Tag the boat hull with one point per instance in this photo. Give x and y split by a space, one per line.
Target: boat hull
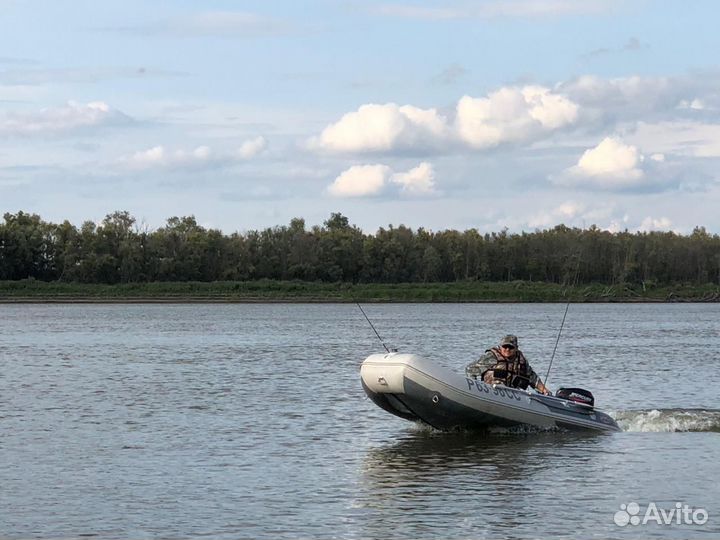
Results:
414 388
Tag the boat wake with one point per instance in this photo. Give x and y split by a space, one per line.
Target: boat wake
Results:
636 420
668 420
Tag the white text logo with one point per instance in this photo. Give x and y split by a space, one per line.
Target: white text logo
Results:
680 514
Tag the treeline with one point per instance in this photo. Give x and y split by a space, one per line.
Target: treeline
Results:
118 250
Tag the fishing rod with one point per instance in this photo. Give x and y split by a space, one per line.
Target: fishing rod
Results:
556 344
372 326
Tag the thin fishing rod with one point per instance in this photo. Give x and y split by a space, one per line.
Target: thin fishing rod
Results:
372 326
556 344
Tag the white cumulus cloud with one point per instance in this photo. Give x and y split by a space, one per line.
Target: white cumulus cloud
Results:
371 180
610 164
512 114
420 180
611 158
380 128
360 181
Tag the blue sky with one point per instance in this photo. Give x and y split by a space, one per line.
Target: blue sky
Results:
457 114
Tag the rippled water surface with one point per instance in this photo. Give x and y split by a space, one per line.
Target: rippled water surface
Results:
248 421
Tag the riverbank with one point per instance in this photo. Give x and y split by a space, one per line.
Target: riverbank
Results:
31 291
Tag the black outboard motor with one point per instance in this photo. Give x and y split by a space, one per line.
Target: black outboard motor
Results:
578 395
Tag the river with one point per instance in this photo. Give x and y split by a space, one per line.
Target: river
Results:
248 421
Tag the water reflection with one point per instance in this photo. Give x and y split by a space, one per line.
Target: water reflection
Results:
498 482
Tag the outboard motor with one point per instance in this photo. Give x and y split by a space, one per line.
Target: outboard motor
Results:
578 395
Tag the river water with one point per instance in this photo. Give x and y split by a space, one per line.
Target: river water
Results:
248 421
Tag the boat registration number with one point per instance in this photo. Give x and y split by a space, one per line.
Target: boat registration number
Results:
502 391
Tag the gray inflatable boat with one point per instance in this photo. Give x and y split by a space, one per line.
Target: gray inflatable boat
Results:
415 388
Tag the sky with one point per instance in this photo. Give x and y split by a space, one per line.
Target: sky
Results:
458 114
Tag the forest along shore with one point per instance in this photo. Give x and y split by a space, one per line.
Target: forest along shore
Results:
34 291
118 260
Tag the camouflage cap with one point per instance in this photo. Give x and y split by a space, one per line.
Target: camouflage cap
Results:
509 340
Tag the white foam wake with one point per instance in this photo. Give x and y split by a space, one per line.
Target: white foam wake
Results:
669 420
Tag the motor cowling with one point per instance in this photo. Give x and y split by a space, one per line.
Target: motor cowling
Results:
578 395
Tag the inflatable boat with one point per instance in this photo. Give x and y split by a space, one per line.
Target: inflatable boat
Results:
415 388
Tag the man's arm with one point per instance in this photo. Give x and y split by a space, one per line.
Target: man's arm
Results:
536 383
540 387
475 368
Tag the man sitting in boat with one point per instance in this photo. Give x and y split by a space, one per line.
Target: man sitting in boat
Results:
506 364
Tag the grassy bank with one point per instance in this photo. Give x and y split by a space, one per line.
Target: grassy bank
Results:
297 291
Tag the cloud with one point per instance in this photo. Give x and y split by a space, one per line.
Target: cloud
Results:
200 157
597 52
497 8
232 24
611 158
606 102
587 105
655 224
253 147
693 104
450 75
510 114
578 214
74 116
683 138
591 90
420 180
606 216
383 128
371 180
631 45
610 164
615 165
360 181
159 156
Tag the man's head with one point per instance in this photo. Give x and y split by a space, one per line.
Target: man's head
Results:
508 345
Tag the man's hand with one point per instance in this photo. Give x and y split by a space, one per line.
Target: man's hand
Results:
543 389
